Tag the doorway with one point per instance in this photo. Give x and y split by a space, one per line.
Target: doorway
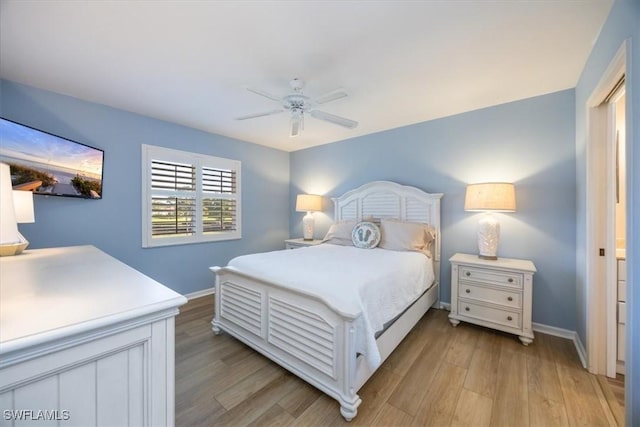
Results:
606 222
616 320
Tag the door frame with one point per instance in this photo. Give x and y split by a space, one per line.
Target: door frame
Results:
600 220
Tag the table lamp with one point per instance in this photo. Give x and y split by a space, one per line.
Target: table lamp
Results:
489 197
308 203
15 207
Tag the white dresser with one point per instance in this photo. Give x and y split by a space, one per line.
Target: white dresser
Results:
85 340
493 293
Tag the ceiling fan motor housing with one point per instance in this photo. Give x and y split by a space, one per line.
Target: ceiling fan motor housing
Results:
298 102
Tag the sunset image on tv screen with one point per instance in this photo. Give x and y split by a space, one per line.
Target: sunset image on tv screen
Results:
48 164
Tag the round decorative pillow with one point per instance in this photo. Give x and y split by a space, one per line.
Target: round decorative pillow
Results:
365 235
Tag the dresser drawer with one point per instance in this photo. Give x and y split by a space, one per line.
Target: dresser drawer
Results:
622 269
489 276
494 315
622 348
622 291
504 296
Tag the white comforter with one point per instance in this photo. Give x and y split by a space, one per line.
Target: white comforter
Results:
374 284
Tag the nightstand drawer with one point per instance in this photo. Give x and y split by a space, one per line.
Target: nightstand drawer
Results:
489 276
506 297
495 315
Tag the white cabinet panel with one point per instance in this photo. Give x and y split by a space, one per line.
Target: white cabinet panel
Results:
112 390
6 404
38 396
137 393
78 394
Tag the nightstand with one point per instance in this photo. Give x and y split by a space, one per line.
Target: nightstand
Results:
493 293
300 243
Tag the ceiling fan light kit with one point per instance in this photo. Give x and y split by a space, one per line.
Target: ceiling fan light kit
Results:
297 122
298 104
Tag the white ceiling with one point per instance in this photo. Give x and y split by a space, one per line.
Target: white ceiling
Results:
402 62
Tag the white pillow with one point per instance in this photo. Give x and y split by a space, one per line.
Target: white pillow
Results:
340 233
365 235
400 235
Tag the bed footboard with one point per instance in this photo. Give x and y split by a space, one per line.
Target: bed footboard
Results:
298 331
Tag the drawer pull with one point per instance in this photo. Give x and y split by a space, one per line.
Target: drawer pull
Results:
468 273
510 280
468 291
510 299
509 318
467 309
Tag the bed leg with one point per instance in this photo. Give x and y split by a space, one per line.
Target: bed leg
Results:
215 327
349 410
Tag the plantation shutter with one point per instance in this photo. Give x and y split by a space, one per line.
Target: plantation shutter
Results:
173 201
219 211
189 197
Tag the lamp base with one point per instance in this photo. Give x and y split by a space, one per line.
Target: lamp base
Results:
11 249
488 237
307 226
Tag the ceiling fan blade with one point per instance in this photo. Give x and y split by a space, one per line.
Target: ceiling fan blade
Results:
331 96
341 121
253 116
265 94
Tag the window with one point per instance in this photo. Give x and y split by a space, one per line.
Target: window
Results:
188 197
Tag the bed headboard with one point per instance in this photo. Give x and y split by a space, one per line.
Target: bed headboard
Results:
385 199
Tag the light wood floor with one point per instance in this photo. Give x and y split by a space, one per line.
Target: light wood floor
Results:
439 375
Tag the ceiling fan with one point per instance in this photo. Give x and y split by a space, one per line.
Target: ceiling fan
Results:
297 104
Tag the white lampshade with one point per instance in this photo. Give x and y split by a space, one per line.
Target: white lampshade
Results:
23 206
490 197
8 224
308 203
11 241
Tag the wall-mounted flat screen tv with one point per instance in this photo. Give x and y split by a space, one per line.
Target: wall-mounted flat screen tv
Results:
48 164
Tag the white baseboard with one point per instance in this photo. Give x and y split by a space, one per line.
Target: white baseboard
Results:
582 353
567 334
550 330
202 293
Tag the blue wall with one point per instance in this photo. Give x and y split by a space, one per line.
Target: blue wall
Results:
113 224
530 143
538 143
622 24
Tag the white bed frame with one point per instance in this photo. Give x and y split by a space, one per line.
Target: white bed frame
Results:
300 331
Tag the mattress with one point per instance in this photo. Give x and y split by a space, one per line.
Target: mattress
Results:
373 285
